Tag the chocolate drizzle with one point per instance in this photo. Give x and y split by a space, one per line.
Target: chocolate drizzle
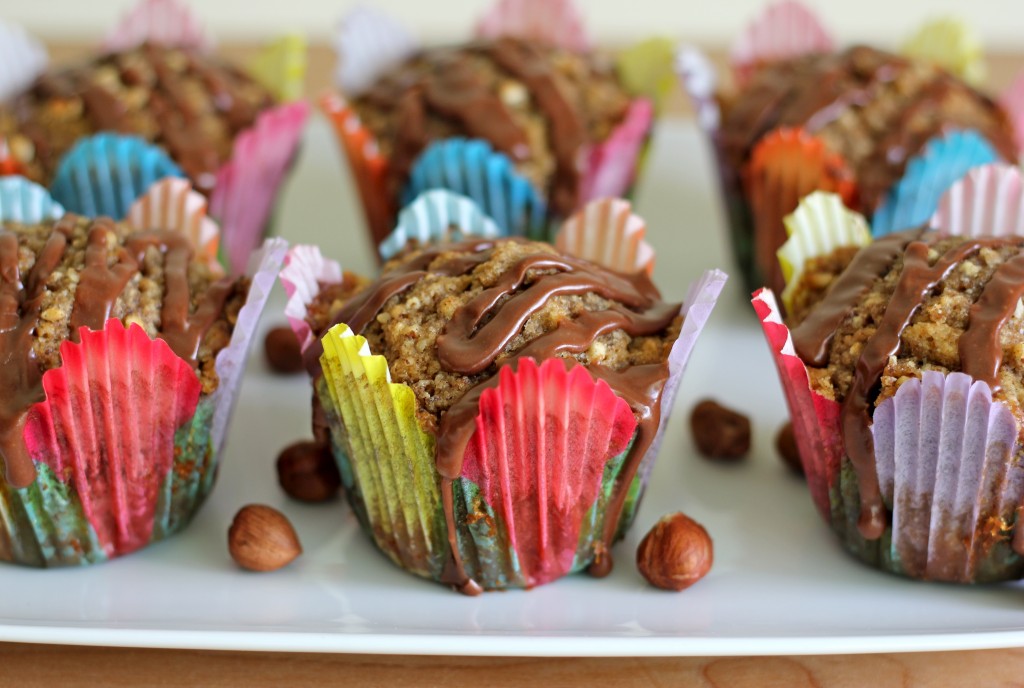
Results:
479 332
441 92
99 288
191 104
815 91
980 349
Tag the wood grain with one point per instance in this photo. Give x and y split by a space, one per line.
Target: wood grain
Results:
27 666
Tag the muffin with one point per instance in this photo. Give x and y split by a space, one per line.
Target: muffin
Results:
494 405
107 329
155 108
887 132
530 126
901 362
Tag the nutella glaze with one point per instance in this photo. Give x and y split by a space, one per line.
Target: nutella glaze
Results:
468 347
447 87
100 285
168 77
980 349
816 90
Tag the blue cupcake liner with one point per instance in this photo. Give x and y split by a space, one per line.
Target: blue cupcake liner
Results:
104 174
435 216
946 158
472 168
25 201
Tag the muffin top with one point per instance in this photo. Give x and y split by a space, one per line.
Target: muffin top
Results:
877 110
193 105
447 318
912 302
56 278
540 105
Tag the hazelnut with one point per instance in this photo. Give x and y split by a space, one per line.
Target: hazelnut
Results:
785 444
262 539
307 472
675 554
720 432
282 350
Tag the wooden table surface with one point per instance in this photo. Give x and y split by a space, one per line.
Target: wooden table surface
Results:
28 665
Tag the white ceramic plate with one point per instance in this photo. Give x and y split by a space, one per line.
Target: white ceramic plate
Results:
780 584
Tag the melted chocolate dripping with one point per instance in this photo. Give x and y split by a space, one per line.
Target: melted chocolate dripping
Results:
980 348
469 348
99 288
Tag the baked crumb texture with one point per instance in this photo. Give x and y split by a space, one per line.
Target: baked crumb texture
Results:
193 105
141 302
406 330
471 91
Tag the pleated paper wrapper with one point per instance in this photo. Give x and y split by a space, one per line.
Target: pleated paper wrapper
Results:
125 447
26 202
530 501
371 43
784 30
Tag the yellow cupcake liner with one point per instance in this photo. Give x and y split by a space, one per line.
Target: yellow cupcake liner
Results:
646 69
820 224
281 67
391 456
952 44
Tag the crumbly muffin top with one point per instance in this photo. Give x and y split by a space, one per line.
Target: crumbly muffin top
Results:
424 331
193 105
877 110
540 105
983 274
78 272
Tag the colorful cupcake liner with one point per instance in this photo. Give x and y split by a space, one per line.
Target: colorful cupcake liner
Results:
785 166
1012 101
472 168
988 201
22 59
952 44
103 174
912 201
607 232
437 216
172 204
125 448
784 30
553 22
161 22
305 270
281 67
25 201
247 184
820 225
370 43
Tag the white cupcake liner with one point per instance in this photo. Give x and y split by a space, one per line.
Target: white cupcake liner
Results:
305 271
369 43
22 60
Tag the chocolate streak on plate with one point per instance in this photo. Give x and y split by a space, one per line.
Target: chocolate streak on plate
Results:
99 288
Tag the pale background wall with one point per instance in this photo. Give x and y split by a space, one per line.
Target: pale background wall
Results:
1000 22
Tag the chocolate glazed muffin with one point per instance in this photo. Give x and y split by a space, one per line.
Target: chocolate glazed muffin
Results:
909 303
448 319
55 279
874 109
539 105
191 104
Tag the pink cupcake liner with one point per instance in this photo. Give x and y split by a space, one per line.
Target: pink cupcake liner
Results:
22 59
612 165
944 453
1012 101
815 419
163 22
107 427
534 467
305 272
607 232
369 43
172 204
988 201
247 184
554 22
784 30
